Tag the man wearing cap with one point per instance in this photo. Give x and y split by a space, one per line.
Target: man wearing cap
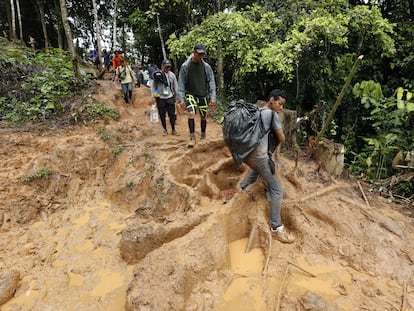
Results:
163 91
197 87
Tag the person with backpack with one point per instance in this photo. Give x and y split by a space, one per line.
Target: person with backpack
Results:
261 163
124 74
163 91
196 85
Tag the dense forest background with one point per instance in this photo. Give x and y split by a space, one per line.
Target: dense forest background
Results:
305 47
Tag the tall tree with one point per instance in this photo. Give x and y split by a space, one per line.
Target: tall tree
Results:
114 21
98 32
13 21
69 37
59 26
19 18
41 10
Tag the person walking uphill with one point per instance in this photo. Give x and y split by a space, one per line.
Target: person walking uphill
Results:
163 91
261 163
196 85
124 73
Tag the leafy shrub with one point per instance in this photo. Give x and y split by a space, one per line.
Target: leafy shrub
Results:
95 111
34 83
392 122
42 173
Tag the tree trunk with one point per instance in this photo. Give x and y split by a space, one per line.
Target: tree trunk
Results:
69 38
13 21
164 54
41 8
19 18
220 72
220 75
98 33
58 26
114 25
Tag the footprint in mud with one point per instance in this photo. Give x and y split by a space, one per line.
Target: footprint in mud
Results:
209 170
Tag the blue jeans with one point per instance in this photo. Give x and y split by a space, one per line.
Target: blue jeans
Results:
274 186
127 90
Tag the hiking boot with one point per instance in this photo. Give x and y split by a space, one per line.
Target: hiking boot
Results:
192 141
203 135
165 132
281 235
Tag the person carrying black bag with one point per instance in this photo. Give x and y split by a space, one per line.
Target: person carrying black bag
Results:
261 163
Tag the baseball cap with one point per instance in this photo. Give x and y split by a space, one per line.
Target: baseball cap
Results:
167 63
200 48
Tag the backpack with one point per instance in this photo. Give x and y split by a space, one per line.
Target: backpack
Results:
160 76
122 76
242 129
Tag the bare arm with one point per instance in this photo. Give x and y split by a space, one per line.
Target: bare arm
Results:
280 135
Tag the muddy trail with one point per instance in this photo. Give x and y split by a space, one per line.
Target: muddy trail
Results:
116 216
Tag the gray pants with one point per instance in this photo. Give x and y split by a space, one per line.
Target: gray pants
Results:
274 186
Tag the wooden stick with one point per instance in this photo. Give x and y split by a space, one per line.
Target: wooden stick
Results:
363 194
251 237
282 285
300 268
338 101
269 234
404 296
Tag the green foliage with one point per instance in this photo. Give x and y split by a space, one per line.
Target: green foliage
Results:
104 134
392 122
316 47
37 94
116 151
41 173
369 91
95 111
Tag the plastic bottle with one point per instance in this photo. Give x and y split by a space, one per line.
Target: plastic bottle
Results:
154 114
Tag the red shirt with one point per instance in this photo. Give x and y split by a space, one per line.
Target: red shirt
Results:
116 61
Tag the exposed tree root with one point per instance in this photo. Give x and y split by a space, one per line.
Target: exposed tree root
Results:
322 192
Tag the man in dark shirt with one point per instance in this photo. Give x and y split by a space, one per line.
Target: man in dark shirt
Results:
197 87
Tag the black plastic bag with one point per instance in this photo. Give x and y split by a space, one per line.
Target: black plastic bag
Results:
242 129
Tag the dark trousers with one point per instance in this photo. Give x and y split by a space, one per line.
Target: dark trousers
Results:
166 106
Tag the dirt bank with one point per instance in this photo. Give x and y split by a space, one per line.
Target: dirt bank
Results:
130 219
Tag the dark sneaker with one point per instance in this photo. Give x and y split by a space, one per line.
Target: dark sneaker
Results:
203 135
281 235
174 132
165 132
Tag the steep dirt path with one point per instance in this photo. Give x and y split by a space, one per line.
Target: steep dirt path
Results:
134 219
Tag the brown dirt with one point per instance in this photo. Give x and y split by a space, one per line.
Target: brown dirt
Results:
131 219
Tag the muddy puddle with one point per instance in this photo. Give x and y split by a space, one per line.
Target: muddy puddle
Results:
83 269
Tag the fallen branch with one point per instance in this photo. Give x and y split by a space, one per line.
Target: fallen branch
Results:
404 296
321 192
363 193
282 285
300 268
269 234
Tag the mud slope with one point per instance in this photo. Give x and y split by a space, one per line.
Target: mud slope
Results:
130 219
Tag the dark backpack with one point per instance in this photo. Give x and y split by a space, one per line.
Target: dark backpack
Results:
160 77
242 129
